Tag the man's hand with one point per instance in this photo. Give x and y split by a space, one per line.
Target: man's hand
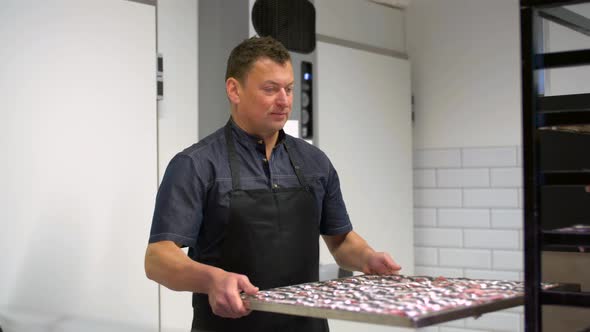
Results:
352 253
224 294
380 263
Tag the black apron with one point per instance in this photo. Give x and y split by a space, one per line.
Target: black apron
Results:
272 237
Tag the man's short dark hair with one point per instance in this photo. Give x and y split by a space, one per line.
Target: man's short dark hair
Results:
244 55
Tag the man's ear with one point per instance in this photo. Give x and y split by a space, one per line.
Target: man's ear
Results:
233 89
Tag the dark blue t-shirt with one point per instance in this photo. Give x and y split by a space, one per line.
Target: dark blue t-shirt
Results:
192 205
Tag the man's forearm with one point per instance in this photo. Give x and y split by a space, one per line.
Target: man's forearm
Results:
168 265
350 252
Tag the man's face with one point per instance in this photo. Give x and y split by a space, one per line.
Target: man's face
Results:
266 96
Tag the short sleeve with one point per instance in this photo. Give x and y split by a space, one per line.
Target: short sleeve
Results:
178 211
335 219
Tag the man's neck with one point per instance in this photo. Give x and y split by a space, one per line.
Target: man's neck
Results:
269 142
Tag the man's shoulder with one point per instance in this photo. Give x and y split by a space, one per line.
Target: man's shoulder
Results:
309 152
206 147
303 146
203 157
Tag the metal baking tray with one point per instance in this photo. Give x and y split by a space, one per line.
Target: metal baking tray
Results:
396 300
574 129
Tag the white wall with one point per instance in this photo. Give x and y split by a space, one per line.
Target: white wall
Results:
465 72
177 118
362 22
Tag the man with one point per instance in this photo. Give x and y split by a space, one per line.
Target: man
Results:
250 203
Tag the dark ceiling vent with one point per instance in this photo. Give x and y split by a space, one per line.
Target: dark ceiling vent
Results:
292 22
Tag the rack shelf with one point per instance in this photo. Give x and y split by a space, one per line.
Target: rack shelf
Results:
566 239
571 102
564 118
569 113
565 178
579 299
549 3
562 59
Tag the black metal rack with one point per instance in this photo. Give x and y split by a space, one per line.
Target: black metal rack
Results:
565 112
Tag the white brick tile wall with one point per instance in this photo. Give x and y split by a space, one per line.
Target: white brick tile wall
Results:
520 198
438 271
468 222
465 258
425 256
492 239
489 157
435 237
506 177
437 197
490 198
472 218
489 274
457 329
437 158
512 218
519 309
454 323
428 329
424 178
497 321
424 217
457 178
508 260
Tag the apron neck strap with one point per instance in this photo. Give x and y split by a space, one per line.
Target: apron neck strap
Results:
296 165
234 163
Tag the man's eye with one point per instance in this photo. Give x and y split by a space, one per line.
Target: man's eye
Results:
269 89
289 90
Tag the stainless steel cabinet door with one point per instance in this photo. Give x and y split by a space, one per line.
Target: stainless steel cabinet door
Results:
364 126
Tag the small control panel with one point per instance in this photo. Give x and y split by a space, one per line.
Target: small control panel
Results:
159 78
306 100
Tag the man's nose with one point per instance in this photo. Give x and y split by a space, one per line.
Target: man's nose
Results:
282 98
